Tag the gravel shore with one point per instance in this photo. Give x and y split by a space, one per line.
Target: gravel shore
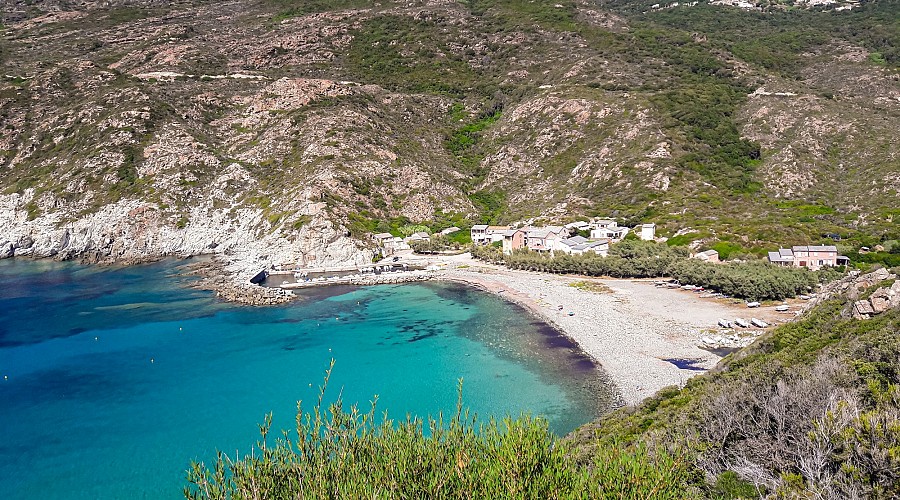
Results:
633 329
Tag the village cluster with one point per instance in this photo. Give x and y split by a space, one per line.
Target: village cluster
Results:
552 239
569 240
559 239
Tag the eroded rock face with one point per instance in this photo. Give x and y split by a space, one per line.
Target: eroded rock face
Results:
877 302
136 231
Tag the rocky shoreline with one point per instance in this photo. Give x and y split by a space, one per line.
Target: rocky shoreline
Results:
214 276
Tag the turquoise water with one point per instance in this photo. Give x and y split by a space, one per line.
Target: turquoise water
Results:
115 379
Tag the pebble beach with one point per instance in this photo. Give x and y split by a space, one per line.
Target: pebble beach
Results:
644 337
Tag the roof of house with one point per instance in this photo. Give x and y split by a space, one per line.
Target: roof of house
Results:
479 227
381 236
590 245
497 228
779 257
579 223
648 225
814 248
420 234
574 241
543 232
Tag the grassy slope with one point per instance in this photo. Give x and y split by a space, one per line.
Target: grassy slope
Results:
811 408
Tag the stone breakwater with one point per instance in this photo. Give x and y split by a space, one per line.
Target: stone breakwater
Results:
214 276
366 280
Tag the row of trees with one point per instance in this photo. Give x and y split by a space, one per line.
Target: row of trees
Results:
638 259
436 244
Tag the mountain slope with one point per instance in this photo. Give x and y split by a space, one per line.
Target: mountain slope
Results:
271 128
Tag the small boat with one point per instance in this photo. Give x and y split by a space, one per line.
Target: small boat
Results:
753 304
571 313
724 323
782 308
741 323
758 323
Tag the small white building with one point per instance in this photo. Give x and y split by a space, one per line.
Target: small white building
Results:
648 232
479 234
597 223
449 230
482 234
611 232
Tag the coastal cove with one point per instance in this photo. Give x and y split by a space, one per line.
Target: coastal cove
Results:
116 378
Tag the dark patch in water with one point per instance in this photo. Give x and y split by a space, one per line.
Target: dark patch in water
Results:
77 330
554 338
584 364
289 320
686 364
422 336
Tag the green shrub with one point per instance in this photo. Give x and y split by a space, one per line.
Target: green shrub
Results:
730 486
338 453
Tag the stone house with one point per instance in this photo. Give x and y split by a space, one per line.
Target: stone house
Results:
707 256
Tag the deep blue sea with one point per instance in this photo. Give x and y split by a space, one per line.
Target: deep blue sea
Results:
112 380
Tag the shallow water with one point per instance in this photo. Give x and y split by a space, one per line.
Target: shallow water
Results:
117 378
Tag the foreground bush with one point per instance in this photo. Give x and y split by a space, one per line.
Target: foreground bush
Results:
346 454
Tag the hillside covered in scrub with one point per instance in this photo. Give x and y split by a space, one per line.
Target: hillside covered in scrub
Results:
287 129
